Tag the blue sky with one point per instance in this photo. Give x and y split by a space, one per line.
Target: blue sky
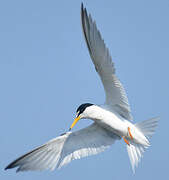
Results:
46 73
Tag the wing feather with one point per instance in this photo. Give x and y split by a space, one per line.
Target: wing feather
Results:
65 148
99 53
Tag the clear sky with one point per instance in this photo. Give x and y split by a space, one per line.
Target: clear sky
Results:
46 73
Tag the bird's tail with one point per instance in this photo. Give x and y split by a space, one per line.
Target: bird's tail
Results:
135 151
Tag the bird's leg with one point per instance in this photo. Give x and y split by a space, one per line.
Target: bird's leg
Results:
130 133
125 140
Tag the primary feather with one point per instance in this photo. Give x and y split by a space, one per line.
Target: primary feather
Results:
65 148
99 53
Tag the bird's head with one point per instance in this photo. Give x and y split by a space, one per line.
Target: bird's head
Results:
81 113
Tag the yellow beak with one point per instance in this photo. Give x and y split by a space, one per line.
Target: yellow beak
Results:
74 122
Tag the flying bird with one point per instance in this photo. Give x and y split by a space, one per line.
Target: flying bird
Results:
112 120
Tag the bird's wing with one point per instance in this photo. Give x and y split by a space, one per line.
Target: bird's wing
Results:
115 93
65 148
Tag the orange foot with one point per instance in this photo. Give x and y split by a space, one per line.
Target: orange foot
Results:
130 133
126 141
124 138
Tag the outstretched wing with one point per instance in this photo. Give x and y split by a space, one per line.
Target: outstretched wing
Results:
99 53
65 148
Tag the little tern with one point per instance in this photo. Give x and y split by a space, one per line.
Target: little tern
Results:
111 121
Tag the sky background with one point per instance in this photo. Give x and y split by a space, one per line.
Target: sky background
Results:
46 73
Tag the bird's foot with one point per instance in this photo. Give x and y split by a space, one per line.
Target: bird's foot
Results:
130 133
125 140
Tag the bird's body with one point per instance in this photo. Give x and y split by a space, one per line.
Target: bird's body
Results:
112 120
108 119
105 117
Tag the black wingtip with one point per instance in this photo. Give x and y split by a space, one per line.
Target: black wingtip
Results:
82 9
16 163
81 5
13 164
9 166
6 168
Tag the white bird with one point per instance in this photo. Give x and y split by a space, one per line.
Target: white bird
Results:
111 121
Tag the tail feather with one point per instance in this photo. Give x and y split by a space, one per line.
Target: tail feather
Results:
147 127
135 151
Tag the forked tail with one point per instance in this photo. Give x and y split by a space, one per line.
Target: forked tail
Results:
135 151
